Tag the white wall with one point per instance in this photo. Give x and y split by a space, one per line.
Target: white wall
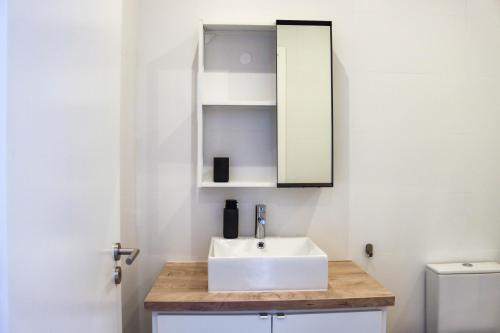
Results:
416 146
424 141
131 301
3 165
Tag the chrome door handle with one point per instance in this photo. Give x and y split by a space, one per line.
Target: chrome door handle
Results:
118 251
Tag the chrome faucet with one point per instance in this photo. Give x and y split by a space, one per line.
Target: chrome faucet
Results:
260 221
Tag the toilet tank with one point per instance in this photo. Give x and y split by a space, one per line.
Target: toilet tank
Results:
463 297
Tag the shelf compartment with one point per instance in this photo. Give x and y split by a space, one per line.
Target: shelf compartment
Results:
223 51
245 134
239 64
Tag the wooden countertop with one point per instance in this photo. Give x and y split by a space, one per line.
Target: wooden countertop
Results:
184 287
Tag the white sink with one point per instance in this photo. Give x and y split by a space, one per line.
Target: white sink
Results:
285 263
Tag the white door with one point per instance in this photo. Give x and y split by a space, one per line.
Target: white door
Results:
63 172
338 322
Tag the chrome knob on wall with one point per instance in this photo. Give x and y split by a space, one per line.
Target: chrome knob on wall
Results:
118 251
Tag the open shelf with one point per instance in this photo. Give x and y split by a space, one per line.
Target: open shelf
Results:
237 104
245 134
239 184
232 88
239 64
239 27
257 175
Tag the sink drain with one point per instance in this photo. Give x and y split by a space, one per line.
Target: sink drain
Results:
261 245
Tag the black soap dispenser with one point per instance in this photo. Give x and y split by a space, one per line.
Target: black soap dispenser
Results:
230 229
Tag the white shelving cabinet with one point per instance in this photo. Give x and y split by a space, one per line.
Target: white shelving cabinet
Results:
236 98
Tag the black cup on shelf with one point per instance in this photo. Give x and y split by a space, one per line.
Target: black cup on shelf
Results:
221 169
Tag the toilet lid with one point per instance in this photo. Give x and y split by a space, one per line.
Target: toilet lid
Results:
465 268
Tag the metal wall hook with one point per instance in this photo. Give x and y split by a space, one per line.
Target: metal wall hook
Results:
369 250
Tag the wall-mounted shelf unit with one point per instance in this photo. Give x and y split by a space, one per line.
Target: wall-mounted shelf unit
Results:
265 101
237 103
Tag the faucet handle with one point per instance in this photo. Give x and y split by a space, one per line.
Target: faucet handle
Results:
260 213
260 221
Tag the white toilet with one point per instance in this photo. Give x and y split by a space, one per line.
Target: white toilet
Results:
463 298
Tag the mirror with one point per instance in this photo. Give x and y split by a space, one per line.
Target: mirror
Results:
304 104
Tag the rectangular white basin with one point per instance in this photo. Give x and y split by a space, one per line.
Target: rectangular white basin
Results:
285 263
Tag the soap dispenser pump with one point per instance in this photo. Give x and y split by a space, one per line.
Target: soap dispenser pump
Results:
230 228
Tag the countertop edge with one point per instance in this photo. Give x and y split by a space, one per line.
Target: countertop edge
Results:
260 305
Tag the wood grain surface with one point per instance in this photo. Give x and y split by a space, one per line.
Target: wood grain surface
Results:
184 287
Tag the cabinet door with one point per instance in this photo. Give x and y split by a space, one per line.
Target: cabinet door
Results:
213 324
304 103
338 322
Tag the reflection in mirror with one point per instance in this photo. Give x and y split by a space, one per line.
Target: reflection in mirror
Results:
304 104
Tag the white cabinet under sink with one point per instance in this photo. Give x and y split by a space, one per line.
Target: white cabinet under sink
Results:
227 323
336 322
368 321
